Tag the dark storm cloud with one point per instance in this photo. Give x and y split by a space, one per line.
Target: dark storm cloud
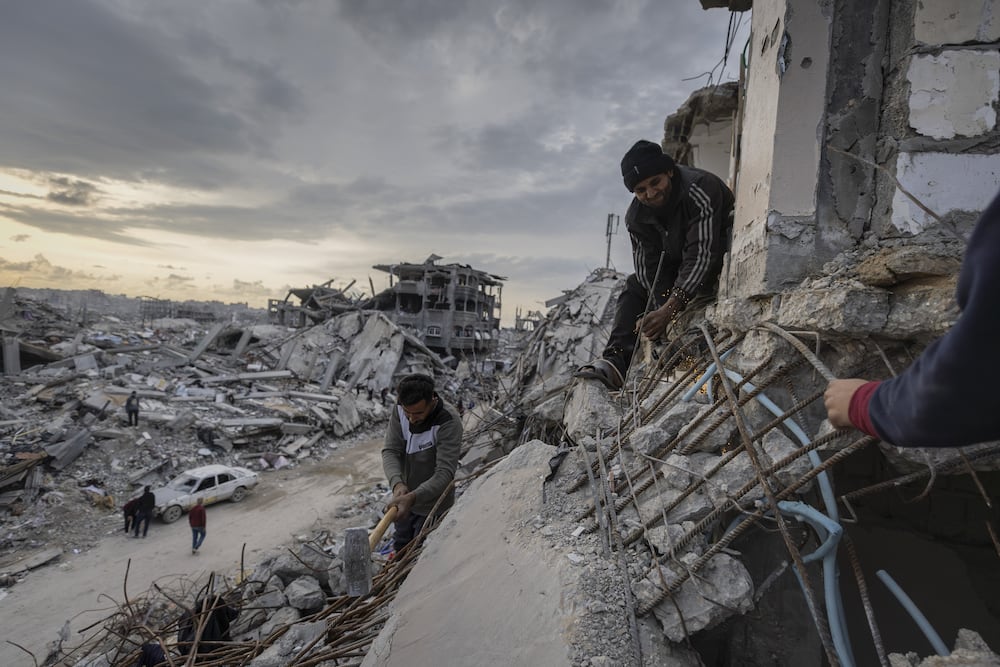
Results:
389 20
410 126
88 91
598 49
82 224
513 145
72 192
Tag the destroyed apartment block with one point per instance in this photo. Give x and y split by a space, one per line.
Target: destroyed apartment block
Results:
155 309
453 308
316 304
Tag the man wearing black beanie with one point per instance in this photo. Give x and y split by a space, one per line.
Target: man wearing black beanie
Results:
679 224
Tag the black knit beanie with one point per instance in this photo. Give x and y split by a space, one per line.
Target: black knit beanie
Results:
643 160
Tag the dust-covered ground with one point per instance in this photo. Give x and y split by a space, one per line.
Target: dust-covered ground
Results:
83 588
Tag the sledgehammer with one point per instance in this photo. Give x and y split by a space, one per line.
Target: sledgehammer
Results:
357 554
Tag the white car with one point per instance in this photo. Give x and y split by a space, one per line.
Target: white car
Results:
213 483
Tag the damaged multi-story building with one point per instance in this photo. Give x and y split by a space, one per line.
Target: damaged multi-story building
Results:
317 303
453 308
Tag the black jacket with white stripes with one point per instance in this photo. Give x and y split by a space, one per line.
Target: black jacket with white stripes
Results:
692 228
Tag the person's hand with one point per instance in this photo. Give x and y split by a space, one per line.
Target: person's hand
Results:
654 324
402 500
837 399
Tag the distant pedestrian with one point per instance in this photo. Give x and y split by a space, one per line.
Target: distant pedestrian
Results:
206 434
147 503
382 394
129 511
198 522
132 409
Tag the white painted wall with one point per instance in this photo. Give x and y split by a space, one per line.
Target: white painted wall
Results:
956 21
945 183
954 93
711 147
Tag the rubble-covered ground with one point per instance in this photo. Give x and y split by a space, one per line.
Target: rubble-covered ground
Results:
69 457
689 519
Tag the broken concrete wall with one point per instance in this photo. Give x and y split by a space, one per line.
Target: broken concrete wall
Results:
573 333
700 132
869 149
775 240
361 349
940 119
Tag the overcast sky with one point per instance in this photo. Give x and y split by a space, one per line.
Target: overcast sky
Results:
232 149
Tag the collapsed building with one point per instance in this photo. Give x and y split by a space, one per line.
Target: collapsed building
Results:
272 396
453 308
316 304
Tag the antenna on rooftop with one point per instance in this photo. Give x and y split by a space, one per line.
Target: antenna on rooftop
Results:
613 220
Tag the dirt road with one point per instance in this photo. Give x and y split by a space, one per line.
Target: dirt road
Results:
76 588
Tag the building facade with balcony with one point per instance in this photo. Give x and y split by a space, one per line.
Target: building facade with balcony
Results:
453 308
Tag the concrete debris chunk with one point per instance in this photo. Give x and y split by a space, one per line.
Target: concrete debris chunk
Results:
722 588
305 594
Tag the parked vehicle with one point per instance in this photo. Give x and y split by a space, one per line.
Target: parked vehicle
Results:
213 483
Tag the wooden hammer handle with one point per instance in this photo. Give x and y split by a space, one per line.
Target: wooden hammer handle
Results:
376 535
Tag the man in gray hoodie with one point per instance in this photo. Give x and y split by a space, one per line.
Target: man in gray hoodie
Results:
420 454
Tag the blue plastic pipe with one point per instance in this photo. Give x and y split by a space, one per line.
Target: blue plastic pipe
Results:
831 573
932 636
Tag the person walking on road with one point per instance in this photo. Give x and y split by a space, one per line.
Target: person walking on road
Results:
198 522
129 511
132 409
147 503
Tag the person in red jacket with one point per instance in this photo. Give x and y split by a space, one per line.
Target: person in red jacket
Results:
129 510
198 522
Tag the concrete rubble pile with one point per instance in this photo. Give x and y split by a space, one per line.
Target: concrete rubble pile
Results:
653 512
259 396
667 455
532 398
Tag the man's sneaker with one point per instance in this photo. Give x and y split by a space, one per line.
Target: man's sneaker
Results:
603 371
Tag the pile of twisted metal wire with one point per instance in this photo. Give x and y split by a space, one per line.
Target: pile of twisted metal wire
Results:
696 361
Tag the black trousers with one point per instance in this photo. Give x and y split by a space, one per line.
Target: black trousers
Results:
622 341
406 529
631 306
141 520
